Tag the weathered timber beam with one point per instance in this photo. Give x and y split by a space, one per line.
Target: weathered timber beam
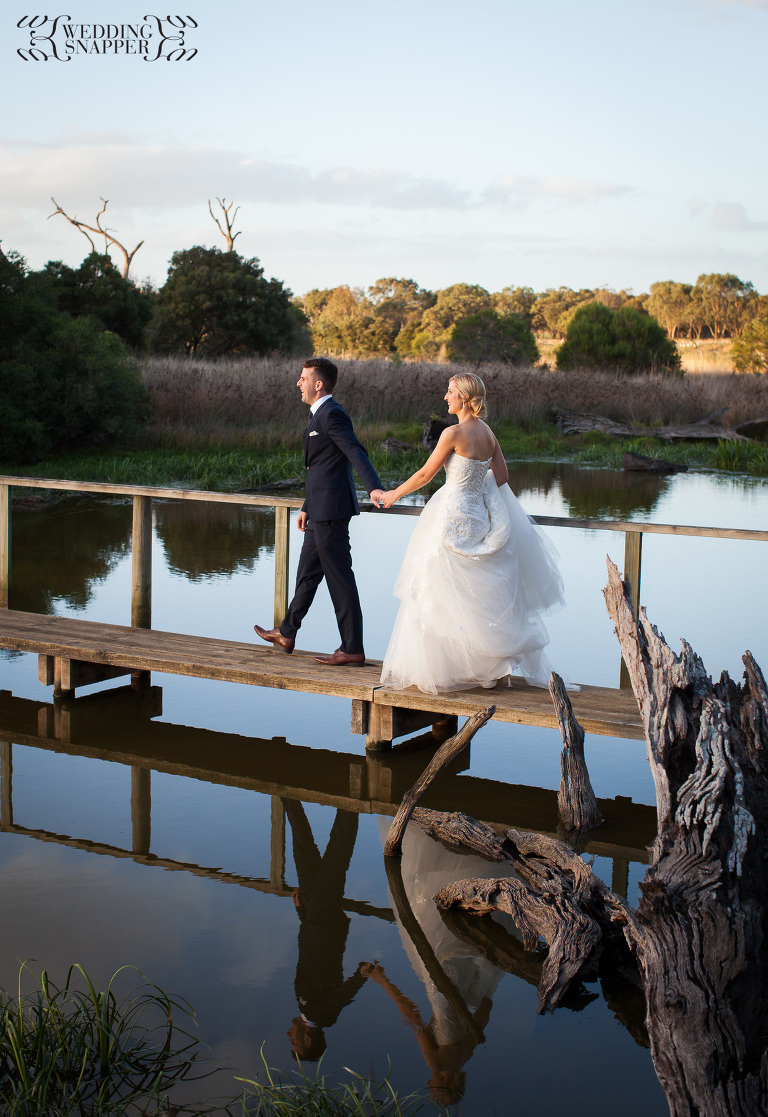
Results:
393 847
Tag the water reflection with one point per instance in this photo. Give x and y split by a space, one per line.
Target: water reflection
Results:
591 494
458 969
59 552
204 540
322 991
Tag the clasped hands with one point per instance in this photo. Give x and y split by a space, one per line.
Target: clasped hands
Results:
382 499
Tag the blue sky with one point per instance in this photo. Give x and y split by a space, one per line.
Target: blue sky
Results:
514 143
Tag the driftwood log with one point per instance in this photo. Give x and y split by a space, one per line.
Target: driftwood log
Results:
569 423
698 940
702 913
576 800
393 847
641 463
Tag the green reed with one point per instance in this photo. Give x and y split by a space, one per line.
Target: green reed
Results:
77 1050
297 1094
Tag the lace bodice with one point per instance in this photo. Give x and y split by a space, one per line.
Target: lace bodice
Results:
472 521
468 473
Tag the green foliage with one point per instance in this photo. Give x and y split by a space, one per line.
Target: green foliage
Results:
750 351
516 300
214 303
431 339
623 340
553 308
489 336
75 1050
63 382
97 289
296 1094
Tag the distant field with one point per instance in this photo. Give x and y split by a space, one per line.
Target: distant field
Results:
697 356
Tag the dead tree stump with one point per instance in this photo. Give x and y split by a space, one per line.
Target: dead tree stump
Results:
576 800
702 913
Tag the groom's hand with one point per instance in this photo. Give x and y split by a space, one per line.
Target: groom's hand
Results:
301 521
376 496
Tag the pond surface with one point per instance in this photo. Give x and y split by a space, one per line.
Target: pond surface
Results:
227 840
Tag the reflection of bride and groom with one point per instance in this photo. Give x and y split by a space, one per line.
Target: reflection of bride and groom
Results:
459 981
477 572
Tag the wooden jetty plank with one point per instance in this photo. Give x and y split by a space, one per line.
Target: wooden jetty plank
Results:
180 654
602 710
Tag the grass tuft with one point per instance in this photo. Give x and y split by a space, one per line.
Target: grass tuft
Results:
76 1050
298 1094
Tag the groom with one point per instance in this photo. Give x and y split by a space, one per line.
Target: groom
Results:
330 450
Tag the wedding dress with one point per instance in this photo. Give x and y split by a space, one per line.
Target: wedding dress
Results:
476 577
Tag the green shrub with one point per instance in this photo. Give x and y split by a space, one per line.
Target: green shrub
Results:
490 337
622 340
750 351
64 382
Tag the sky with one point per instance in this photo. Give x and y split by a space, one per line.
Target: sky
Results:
546 143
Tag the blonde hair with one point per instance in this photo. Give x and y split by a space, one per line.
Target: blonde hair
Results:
472 391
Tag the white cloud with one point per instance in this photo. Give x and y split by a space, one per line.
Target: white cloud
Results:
521 192
732 217
160 176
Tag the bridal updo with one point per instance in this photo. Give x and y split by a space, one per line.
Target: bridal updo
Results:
472 390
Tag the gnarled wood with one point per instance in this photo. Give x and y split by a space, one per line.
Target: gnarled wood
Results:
702 913
576 799
393 847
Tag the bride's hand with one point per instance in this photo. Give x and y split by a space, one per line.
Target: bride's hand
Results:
389 498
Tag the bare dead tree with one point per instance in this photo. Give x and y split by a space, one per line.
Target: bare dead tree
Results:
229 222
100 231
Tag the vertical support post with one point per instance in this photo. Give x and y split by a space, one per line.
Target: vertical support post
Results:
633 550
277 844
6 779
141 809
282 537
5 546
620 876
141 578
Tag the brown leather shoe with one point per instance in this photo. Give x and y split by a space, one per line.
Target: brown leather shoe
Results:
275 636
340 658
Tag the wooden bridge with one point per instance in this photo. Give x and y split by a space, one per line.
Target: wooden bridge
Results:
74 653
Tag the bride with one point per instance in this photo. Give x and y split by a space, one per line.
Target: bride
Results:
477 573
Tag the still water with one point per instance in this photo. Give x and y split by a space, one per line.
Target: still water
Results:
227 840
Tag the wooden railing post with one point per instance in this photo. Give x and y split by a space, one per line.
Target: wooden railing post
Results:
141 809
282 537
5 546
277 843
633 550
141 580
6 777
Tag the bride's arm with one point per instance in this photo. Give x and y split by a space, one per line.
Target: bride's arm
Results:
423 476
499 467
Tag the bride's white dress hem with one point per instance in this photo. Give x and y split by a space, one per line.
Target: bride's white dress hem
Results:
477 576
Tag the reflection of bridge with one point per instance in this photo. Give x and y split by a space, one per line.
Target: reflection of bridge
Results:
372 784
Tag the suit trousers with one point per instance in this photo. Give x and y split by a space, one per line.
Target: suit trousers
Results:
325 553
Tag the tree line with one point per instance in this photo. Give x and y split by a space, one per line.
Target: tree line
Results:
67 334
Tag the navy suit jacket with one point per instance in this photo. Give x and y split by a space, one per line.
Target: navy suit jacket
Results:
331 449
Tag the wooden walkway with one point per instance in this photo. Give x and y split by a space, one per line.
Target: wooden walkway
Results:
75 653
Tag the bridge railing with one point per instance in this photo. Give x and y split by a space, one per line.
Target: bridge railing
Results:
143 495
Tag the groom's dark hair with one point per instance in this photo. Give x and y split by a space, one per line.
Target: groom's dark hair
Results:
325 370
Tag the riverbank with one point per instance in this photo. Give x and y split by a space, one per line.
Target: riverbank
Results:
225 467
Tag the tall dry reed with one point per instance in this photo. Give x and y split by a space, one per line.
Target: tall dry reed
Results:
211 398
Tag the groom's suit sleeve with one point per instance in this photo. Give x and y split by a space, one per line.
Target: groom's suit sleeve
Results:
339 427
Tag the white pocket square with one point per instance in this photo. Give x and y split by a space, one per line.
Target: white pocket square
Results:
313 434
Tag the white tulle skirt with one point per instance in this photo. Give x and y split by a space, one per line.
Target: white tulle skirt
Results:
472 602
